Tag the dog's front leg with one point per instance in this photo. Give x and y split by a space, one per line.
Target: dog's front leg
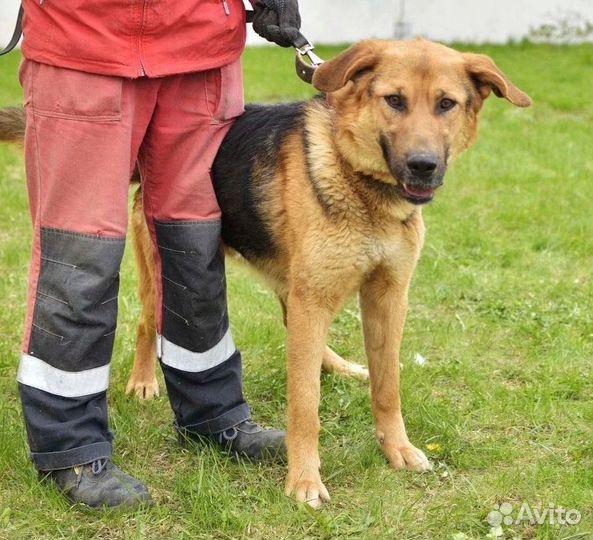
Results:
308 324
384 299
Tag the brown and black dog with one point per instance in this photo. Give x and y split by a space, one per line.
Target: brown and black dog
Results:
324 199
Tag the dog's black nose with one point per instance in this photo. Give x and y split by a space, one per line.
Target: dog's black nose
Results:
422 164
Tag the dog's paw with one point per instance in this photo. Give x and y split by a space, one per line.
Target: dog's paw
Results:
143 389
307 489
408 457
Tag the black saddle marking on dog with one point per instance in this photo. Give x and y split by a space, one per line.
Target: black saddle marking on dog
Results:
253 142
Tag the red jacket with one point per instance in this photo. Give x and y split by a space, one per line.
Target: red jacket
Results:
132 38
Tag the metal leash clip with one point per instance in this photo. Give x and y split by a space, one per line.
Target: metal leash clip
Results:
306 70
304 48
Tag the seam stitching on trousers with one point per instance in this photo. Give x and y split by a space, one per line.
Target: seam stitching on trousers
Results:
53 230
176 250
61 338
37 221
76 117
176 314
41 293
47 259
187 223
184 287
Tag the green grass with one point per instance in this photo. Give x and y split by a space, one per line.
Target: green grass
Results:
501 307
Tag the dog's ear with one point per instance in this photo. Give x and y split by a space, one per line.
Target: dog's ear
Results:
334 74
488 77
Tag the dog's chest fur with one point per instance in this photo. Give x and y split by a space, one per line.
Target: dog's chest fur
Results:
364 220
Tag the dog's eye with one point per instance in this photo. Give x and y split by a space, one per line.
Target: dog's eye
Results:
396 102
446 104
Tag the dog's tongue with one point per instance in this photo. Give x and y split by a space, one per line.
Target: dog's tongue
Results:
421 193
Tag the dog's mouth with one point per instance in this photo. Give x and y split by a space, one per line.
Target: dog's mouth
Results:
417 195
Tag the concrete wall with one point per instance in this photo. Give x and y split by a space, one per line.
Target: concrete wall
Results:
8 13
478 21
341 21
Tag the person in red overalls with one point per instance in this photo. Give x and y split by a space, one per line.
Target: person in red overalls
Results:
109 84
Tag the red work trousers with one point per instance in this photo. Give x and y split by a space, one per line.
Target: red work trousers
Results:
85 134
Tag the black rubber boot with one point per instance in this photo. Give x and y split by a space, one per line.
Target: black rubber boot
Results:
101 484
249 441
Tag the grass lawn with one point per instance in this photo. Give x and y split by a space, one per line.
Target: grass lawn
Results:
501 307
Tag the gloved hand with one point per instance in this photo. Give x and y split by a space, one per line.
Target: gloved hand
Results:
278 21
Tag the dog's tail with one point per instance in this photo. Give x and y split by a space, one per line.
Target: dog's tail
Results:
12 125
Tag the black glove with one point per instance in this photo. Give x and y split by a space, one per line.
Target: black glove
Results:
278 21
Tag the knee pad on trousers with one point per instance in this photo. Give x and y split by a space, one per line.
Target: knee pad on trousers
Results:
76 303
194 314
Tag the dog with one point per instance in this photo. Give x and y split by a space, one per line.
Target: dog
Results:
324 199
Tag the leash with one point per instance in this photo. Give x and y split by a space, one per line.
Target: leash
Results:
18 30
304 48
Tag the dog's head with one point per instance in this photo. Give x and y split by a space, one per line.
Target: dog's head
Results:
405 109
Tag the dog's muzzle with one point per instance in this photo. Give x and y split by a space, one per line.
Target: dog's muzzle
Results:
422 177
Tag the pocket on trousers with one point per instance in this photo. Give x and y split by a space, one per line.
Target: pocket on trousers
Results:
224 92
70 94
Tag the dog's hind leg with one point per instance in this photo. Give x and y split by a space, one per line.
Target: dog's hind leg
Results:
332 362
143 382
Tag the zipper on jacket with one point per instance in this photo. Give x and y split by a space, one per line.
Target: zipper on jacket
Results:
140 33
227 9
